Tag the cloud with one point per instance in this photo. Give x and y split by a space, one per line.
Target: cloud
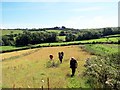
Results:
79 22
91 22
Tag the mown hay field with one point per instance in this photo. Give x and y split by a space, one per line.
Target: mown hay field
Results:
27 68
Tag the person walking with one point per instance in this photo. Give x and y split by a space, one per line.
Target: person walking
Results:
60 55
51 56
73 65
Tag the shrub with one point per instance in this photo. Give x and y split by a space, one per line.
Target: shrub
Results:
50 64
103 72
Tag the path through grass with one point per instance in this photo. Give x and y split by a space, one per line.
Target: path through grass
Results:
30 70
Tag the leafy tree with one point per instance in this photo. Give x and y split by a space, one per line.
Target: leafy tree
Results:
7 41
63 27
62 33
70 37
1 42
35 38
107 31
23 39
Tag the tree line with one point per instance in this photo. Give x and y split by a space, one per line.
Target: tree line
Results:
90 34
28 37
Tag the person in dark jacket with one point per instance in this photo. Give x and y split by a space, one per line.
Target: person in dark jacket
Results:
60 55
73 65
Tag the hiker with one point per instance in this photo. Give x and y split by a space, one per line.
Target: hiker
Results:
73 65
51 56
60 54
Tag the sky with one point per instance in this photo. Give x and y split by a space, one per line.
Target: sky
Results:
71 14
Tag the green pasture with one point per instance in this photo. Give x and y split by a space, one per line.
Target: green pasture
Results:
61 38
102 49
8 32
56 31
7 48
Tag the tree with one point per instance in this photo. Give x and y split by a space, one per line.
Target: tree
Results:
35 38
23 39
63 27
62 33
56 27
70 37
107 31
6 40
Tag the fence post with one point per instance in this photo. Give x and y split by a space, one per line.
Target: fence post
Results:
48 82
13 86
42 87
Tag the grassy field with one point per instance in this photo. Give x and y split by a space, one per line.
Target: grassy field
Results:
27 68
8 32
102 49
7 48
116 35
113 39
62 38
56 31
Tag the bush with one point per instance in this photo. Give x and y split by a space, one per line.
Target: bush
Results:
103 72
51 64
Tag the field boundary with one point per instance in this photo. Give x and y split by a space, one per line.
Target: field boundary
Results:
59 44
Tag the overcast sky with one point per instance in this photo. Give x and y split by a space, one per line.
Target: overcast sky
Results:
41 14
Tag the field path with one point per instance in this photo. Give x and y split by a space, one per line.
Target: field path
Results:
30 70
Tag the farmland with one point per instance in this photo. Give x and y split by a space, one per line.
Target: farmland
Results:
8 32
26 37
112 39
36 61
9 42
56 31
26 63
102 49
29 69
